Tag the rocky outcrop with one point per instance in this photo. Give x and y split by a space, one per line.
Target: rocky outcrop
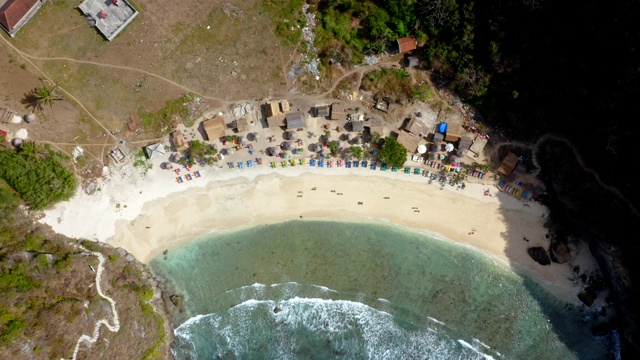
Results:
559 252
539 254
177 300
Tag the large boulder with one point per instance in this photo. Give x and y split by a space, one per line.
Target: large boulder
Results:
587 296
177 300
539 254
559 252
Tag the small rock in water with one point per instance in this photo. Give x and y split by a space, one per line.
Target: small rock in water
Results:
539 254
277 309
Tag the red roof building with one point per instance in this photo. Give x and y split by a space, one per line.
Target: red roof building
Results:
407 44
15 13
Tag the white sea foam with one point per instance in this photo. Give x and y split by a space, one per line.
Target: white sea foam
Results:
435 320
468 346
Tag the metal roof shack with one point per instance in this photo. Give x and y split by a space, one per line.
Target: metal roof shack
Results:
357 125
110 16
508 164
214 128
14 14
407 44
409 141
155 150
295 120
322 111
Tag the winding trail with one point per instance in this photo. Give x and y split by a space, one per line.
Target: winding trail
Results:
96 331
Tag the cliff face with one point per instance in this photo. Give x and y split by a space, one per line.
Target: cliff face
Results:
583 205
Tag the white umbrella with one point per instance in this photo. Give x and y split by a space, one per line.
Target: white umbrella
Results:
449 147
422 149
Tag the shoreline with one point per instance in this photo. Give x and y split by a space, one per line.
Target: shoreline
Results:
166 215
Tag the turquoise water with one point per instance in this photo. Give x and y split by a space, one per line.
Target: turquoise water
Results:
356 291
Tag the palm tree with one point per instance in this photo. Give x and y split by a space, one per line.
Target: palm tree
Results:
32 150
45 95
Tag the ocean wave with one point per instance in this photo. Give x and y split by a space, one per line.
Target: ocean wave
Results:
336 327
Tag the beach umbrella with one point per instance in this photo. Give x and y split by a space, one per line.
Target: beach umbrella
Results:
168 166
422 149
341 145
449 147
286 145
350 137
461 152
286 155
293 146
292 135
433 155
453 159
274 151
359 140
435 147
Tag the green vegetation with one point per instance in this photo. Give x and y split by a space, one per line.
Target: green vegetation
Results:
422 92
37 174
290 19
350 29
481 167
357 152
393 153
140 161
45 95
391 83
199 152
175 111
333 148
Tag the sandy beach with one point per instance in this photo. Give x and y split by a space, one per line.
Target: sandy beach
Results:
147 215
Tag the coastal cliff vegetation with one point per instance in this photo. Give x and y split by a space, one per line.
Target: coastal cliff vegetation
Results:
47 281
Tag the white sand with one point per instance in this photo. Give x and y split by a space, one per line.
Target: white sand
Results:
145 216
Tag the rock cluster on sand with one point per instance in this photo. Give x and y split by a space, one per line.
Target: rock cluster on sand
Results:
539 254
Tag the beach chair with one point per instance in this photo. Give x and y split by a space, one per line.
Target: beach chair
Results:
407 170
321 163
355 163
283 163
259 161
329 163
241 165
250 163
394 169
339 163
303 161
179 179
417 171
347 164
188 177
363 163
312 162
424 172
292 162
273 164
373 166
196 174
231 166
383 167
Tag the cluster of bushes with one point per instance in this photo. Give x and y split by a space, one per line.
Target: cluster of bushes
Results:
37 174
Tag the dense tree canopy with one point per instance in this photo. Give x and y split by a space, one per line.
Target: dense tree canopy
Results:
392 152
38 176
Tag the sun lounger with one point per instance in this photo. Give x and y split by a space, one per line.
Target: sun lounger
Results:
407 170
179 179
273 164
231 166
373 166
329 163
355 163
259 161
312 162
321 163
363 163
196 174
188 177
383 167
303 161
339 163
394 169
250 163
417 171
347 164
283 163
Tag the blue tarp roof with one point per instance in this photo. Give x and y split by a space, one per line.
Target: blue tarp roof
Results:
442 128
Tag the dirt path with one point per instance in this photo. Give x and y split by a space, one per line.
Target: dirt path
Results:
116 322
